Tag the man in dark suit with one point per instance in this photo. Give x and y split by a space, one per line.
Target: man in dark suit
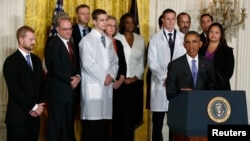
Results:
182 77
25 82
63 77
80 29
205 20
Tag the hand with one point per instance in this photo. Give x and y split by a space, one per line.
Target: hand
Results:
75 81
40 108
108 80
119 82
130 80
38 111
33 114
186 89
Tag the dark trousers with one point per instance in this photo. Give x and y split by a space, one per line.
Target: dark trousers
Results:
127 111
157 120
26 132
60 122
123 128
94 130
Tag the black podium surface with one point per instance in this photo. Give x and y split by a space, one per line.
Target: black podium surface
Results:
188 112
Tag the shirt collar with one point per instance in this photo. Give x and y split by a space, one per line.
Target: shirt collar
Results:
189 58
81 28
64 40
166 31
23 53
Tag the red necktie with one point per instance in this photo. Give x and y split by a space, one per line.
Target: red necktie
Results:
70 51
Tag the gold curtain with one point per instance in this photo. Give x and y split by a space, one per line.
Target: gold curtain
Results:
39 13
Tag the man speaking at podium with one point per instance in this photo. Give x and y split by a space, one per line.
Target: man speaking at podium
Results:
190 71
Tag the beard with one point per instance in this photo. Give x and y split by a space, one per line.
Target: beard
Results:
29 47
185 29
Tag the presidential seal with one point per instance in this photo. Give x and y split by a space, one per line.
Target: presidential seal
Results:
218 109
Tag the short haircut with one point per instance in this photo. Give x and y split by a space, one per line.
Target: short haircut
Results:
60 16
21 32
180 14
206 14
192 33
81 6
166 11
98 12
122 22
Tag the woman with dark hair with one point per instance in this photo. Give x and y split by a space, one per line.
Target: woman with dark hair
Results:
217 50
130 113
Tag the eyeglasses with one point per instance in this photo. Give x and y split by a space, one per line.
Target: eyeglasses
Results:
65 29
111 25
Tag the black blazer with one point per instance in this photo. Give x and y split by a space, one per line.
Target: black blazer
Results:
122 61
25 87
60 69
180 76
76 35
223 65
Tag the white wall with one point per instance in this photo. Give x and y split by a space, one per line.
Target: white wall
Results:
12 17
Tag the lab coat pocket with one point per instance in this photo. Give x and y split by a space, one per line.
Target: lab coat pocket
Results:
94 91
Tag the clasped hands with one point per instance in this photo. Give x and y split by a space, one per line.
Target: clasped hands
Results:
38 111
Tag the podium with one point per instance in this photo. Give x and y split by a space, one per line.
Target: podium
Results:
191 112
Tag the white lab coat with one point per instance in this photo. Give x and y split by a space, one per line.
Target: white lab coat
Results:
96 63
158 60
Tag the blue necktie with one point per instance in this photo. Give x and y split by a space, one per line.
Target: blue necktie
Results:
103 40
84 32
194 71
29 61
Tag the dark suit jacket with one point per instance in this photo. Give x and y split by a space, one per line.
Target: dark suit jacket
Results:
122 61
223 65
119 96
203 38
60 69
76 35
25 87
180 76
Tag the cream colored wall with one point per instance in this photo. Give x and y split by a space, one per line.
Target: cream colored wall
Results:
12 17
